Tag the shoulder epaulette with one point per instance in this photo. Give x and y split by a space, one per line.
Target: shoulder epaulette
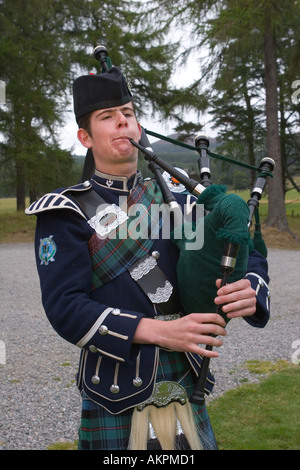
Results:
59 200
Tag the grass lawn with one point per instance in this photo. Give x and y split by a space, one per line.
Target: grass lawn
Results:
263 416
16 226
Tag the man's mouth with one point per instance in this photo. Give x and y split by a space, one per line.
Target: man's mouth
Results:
123 137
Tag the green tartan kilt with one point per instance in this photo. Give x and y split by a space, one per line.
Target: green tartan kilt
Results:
101 430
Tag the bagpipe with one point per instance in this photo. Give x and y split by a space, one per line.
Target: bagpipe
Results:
225 226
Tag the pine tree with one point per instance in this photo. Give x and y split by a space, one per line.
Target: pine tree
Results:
44 46
33 67
229 24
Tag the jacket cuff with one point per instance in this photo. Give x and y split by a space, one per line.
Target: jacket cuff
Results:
262 314
112 334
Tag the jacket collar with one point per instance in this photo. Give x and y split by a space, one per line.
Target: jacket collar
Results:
122 183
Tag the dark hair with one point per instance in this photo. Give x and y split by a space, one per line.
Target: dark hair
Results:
85 123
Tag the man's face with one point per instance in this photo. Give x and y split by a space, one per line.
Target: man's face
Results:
110 130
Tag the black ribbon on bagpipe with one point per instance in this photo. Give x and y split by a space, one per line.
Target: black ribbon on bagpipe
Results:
215 199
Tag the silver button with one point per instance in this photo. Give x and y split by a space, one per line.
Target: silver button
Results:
103 330
95 379
116 311
86 183
93 348
155 254
137 382
114 388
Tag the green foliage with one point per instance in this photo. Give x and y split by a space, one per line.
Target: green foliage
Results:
33 68
44 46
246 60
240 180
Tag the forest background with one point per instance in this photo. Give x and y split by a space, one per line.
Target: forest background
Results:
244 84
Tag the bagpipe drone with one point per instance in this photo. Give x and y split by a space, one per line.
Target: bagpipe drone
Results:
226 226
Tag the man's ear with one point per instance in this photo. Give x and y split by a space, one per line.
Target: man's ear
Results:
84 138
140 129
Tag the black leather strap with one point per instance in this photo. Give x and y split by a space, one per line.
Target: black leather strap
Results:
153 280
88 201
150 282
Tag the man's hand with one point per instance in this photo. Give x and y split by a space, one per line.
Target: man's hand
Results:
187 334
239 298
193 332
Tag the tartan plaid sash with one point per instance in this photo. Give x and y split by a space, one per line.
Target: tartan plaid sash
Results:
112 256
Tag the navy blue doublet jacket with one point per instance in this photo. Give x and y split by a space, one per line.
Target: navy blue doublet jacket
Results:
113 371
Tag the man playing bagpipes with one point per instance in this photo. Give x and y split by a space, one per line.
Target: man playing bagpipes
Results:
114 296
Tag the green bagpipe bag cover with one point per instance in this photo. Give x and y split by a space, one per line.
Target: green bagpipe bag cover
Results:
198 269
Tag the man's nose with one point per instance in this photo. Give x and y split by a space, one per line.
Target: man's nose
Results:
122 120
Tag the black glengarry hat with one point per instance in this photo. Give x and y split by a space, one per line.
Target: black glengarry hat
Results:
107 90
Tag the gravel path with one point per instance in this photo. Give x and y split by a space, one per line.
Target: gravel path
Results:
39 402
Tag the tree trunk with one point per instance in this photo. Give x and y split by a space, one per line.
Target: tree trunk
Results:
276 212
250 130
20 176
